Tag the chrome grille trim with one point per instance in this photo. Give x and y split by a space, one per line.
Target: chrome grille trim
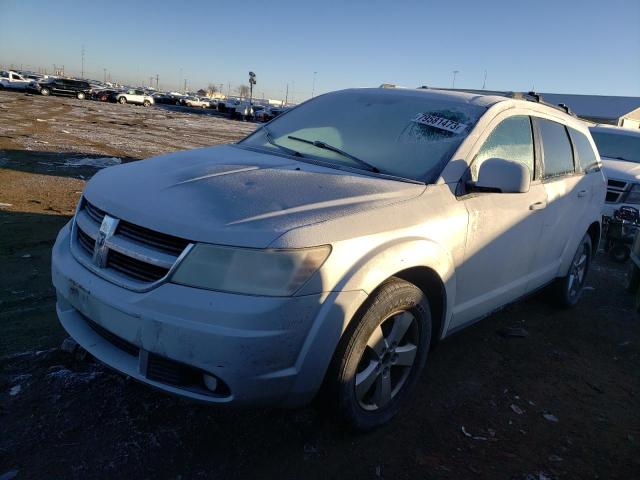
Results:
126 262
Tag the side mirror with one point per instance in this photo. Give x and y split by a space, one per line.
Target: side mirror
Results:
503 176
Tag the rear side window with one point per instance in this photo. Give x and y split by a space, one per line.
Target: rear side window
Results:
558 154
510 140
587 158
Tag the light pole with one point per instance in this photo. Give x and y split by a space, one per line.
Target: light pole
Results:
252 82
82 54
484 81
453 83
313 89
104 70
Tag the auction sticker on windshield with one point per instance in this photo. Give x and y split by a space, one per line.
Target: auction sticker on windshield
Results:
439 122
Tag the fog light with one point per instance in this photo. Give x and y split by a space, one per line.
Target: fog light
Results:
210 382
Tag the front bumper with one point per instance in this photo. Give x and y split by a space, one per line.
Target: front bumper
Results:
266 350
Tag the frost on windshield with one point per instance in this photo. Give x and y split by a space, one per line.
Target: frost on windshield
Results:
435 126
437 131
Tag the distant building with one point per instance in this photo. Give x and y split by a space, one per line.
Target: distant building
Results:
608 109
621 111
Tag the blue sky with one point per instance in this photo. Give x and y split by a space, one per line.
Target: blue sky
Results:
566 46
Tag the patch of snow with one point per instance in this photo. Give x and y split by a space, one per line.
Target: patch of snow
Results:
550 417
516 409
15 390
100 162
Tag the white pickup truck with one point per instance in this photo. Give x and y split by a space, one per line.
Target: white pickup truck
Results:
619 150
14 81
134 96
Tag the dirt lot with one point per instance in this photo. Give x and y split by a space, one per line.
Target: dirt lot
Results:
561 402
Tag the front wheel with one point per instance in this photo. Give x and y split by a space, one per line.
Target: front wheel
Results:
80 96
568 289
44 91
381 355
146 103
122 100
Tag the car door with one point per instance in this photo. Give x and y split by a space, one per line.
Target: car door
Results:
568 196
503 228
18 82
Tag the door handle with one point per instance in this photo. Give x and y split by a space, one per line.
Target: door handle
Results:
582 193
537 206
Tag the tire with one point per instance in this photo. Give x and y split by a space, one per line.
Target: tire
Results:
381 356
146 103
122 100
80 95
44 91
568 289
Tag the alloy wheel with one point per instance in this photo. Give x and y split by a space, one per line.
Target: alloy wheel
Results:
387 360
578 271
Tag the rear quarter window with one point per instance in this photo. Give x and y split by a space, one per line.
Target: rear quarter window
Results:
558 154
587 158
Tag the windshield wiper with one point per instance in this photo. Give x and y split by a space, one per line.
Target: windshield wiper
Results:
269 137
325 146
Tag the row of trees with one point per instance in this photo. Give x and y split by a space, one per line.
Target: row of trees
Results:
242 90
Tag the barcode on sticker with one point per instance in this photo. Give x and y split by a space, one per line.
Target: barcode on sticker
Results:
439 122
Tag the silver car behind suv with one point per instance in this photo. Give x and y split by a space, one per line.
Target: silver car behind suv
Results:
332 247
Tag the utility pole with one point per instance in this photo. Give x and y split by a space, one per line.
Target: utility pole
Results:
185 86
313 89
228 89
286 95
82 54
150 82
104 70
157 80
453 83
252 82
484 82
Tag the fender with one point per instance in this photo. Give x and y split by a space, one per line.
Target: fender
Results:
353 289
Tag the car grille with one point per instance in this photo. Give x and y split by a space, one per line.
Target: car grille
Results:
615 190
136 256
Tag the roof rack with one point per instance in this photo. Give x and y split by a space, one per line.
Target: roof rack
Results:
528 96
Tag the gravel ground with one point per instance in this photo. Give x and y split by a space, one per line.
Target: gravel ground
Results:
560 402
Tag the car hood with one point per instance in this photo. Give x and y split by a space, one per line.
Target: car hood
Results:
621 170
234 196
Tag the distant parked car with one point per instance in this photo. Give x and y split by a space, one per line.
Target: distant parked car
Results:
14 81
197 102
619 150
106 95
64 86
135 96
241 110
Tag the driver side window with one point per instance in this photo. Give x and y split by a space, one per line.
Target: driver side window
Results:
511 140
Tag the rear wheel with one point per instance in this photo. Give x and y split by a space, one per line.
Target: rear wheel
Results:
146 103
80 96
381 356
122 100
44 91
568 289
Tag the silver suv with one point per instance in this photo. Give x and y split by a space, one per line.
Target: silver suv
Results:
330 248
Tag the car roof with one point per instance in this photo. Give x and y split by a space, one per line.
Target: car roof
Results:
615 130
478 99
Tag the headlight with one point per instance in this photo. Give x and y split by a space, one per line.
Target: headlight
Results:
634 194
275 273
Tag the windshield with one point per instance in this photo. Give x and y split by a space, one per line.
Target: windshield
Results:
621 147
402 133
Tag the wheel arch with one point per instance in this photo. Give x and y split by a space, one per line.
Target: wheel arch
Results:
594 232
430 283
